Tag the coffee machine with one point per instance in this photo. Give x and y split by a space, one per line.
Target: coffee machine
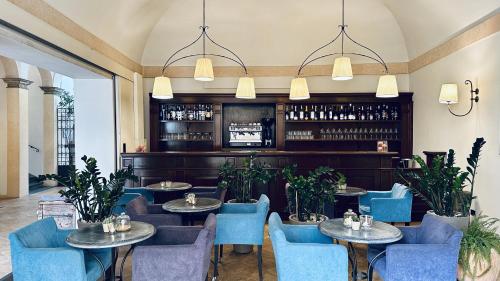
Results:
267 132
245 134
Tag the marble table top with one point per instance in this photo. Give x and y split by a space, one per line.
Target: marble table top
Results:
202 205
95 238
379 233
175 186
351 191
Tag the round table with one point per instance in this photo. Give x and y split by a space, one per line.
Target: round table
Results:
95 238
164 194
202 205
379 233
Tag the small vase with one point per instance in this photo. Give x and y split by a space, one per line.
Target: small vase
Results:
355 225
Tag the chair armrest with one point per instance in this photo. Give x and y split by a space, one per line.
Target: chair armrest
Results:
158 219
409 234
61 235
365 199
391 209
239 208
305 234
207 194
156 209
422 261
176 235
240 229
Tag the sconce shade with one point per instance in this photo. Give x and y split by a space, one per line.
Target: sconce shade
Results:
387 87
299 89
246 88
162 89
204 70
342 69
449 94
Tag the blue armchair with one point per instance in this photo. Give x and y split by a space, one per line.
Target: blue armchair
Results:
426 253
142 191
239 223
302 252
123 201
388 206
39 253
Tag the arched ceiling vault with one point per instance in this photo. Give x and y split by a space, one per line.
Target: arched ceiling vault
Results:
278 32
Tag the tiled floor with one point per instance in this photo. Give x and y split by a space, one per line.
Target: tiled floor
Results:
15 213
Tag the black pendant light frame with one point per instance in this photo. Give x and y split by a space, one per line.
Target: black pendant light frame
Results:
204 36
343 34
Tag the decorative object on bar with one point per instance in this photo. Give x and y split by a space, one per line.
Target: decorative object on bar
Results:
93 196
39 252
449 95
342 70
479 258
162 88
442 185
394 205
241 180
267 132
243 226
175 253
307 195
302 252
427 252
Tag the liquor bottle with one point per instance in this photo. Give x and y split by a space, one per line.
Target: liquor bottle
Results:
291 114
306 113
341 114
378 113
301 113
287 111
370 113
312 113
209 114
335 113
363 113
330 112
384 112
322 113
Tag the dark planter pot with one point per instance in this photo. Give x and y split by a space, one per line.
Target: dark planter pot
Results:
83 225
294 220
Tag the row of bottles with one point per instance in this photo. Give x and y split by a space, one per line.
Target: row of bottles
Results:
345 134
186 112
186 136
311 112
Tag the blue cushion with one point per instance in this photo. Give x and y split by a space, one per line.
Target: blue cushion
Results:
399 190
364 209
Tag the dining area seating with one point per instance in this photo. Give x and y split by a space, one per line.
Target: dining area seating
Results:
392 206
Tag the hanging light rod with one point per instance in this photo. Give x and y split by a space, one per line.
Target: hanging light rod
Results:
162 88
342 69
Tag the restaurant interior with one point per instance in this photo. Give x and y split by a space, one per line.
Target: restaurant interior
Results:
196 140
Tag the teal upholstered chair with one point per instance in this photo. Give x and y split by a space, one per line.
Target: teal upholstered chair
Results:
123 201
388 206
141 190
39 253
239 223
302 252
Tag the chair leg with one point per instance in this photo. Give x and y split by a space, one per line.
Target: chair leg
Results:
407 224
216 260
221 251
259 261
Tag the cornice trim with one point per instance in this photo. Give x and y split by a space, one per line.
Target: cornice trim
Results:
18 83
52 90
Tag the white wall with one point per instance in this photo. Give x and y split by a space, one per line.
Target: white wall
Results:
94 123
3 135
436 129
35 137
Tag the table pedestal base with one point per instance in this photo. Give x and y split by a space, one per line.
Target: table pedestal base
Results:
353 260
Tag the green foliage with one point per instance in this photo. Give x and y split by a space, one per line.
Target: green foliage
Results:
442 185
241 180
478 241
311 192
93 196
66 101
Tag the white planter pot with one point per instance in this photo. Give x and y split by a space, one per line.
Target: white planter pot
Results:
242 248
294 220
356 225
461 223
49 183
482 272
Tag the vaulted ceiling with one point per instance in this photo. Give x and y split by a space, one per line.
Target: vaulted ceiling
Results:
273 32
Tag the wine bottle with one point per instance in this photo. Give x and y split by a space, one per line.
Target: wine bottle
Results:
306 113
322 113
341 114
301 113
312 113
330 112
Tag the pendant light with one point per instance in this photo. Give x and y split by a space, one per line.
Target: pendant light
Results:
342 68
299 89
204 72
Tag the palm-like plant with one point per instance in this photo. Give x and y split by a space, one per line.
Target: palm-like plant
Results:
93 196
442 185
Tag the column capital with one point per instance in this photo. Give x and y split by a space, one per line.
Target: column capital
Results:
19 83
52 90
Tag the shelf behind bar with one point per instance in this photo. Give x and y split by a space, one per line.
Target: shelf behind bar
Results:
166 140
187 121
342 121
323 140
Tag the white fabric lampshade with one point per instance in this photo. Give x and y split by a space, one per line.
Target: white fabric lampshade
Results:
204 70
342 69
299 89
449 94
162 89
387 87
246 88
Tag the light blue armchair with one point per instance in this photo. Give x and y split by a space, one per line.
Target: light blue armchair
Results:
426 253
239 223
123 201
141 190
39 253
388 206
302 252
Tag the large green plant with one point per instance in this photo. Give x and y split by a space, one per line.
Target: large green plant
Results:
241 180
442 185
93 196
307 195
478 241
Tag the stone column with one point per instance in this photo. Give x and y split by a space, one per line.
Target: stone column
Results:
17 137
49 129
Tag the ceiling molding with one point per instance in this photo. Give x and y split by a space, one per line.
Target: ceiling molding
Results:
467 37
275 71
58 20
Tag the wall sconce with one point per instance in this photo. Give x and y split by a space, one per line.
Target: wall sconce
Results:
449 95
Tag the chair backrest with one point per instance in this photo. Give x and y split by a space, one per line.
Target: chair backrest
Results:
123 201
263 205
138 206
276 232
141 190
40 234
206 239
434 231
399 191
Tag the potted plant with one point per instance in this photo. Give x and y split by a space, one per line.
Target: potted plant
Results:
242 180
443 185
307 195
341 182
93 196
479 257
